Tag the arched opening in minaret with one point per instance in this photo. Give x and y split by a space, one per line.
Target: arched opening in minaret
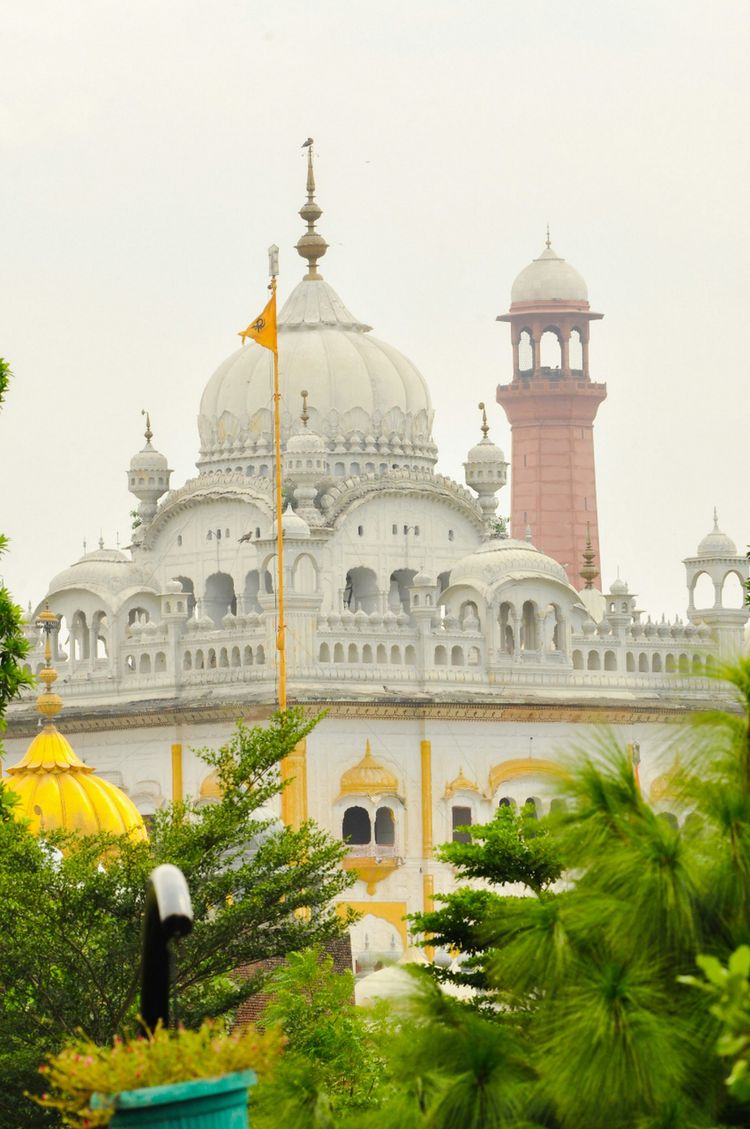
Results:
704 595
101 634
575 353
79 637
398 593
356 827
525 353
551 350
361 590
732 591
219 596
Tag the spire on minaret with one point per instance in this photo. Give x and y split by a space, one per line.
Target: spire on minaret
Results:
305 414
589 572
547 241
311 246
485 425
148 433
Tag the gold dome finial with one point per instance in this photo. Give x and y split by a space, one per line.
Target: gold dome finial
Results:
485 425
311 245
588 573
148 432
48 704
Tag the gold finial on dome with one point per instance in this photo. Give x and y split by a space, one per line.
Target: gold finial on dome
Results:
311 246
588 573
305 414
369 778
48 704
485 425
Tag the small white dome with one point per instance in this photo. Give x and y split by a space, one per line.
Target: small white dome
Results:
485 452
305 442
103 569
293 526
423 578
173 586
149 459
618 587
549 279
716 543
502 559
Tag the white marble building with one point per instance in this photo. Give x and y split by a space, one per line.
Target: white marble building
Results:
455 662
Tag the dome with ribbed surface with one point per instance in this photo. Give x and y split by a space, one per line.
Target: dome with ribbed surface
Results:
358 386
716 543
57 790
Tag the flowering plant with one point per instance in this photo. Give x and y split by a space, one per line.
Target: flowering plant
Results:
82 1068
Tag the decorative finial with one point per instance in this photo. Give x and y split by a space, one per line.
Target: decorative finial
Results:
548 239
117 539
529 537
48 704
84 546
305 414
101 541
588 573
148 432
311 245
716 520
485 425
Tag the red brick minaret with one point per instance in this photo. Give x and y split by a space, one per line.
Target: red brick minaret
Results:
551 404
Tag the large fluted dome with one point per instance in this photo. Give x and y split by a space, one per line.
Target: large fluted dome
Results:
504 559
366 398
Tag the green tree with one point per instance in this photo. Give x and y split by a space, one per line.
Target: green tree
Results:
72 905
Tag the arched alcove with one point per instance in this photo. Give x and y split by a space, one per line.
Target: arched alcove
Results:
400 583
733 591
189 587
575 353
550 349
356 827
704 594
305 574
251 591
525 352
219 596
361 590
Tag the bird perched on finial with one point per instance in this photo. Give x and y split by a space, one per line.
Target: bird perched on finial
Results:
308 143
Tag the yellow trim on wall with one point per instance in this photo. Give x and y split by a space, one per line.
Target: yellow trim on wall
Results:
294 796
426 758
177 790
523 766
392 912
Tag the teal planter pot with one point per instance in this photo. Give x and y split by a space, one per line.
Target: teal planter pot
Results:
203 1103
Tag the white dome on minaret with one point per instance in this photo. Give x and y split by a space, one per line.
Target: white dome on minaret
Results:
549 278
367 398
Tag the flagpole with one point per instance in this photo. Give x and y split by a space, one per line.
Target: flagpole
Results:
273 253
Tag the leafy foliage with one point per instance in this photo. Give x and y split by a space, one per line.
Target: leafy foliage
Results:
72 909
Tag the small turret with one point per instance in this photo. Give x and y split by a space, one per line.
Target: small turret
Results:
148 477
485 469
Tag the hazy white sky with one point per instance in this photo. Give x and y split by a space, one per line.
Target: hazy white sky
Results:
150 153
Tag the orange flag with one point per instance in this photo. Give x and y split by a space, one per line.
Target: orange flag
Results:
263 328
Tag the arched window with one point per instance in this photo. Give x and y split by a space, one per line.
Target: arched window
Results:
189 587
594 661
160 662
400 583
684 664
441 656
469 616
656 664
410 656
507 802
460 817
457 656
577 660
630 662
252 588
305 574
395 655
733 592
187 661
223 657
551 351
247 656
529 639
367 653
643 663
473 656
338 652
575 353
704 594
697 665
355 827
144 664
199 661
325 653
670 666
504 619
610 660
361 590
525 353
236 661
385 827
353 655
219 597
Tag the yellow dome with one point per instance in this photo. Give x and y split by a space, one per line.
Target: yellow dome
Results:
210 788
368 778
57 790
460 784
